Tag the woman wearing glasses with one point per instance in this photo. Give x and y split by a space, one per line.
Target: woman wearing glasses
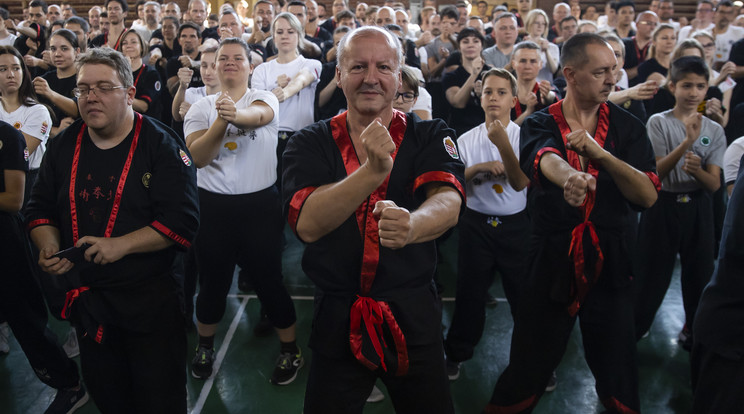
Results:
537 31
21 108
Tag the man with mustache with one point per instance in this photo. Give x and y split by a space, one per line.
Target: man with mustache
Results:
591 165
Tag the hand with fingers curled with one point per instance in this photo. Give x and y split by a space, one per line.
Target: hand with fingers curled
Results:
41 86
184 76
497 134
282 80
531 101
279 93
379 145
692 163
583 144
545 89
693 125
577 186
103 250
53 265
226 109
643 91
394 224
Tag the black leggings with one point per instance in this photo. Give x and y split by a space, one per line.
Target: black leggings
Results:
246 230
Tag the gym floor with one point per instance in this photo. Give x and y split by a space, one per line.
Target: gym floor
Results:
245 362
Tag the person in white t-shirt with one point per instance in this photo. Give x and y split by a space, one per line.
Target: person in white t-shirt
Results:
493 229
731 160
21 108
724 32
185 96
6 38
232 137
290 77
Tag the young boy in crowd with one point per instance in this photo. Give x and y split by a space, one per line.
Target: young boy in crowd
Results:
689 151
493 228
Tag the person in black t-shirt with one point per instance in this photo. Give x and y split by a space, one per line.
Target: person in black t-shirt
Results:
55 87
189 40
146 78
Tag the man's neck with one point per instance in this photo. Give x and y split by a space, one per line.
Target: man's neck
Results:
358 122
525 84
444 38
311 27
115 31
112 135
642 40
153 28
584 113
505 48
194 55
720 29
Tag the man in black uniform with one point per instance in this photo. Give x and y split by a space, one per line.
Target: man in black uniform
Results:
368 191
591 165
123 185
717 364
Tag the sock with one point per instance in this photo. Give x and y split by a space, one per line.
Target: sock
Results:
289 347
206 341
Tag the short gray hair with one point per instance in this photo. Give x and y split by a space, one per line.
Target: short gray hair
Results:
364 31
109 57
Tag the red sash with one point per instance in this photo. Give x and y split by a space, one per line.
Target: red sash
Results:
582 284
374 314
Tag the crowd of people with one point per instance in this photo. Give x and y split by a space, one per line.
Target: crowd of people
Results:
577 154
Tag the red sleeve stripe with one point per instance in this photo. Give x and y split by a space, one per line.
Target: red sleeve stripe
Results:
40 222
654 179
439 176
171 234
145 98
295 205
540 153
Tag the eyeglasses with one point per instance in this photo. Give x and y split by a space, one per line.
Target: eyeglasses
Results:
407 96
103 90
647 23
709 45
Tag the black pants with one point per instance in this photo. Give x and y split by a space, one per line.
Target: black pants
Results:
542 329
341 385
717 381
245 230
22 305
677 223
487 244
139 372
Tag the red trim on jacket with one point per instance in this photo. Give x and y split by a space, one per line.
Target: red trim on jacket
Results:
439 176
40 222
160 227
654 179
538 157
295 205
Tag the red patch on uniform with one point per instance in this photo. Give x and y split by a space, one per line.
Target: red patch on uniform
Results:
451 148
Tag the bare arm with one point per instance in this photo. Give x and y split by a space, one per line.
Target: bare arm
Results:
104 250
300 81
140 105
32 143
458 96
11 200
326 93
514 174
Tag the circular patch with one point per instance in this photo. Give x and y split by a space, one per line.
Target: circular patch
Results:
705 140
157 86
232 146
146 179
498 188
17 125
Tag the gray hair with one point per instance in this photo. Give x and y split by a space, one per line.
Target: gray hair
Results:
364 31
109 57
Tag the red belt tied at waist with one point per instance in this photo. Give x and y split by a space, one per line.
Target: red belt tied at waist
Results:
582 284
372 321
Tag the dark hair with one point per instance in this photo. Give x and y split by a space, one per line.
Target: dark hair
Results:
172 19
236 41
264 2
39 3
620 4
26 93
80 22
297 3
144 48
470 32
123 3
344 14
686 65
574 49
4 14
724 3
566 19
189 25
67 35
450 12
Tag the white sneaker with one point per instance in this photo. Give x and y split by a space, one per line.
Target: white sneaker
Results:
376 395
71 345
4 337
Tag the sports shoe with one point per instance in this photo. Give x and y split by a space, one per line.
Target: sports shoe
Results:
287 365
71 347
376 395
201 365
67 401
552 383
453 369
4 338
685 338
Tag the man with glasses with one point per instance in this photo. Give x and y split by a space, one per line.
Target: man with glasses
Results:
121 188
703 20
724 32
636 47
666 12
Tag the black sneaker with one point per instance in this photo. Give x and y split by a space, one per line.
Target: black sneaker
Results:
552 383
453 370
286 368
67 401
201 365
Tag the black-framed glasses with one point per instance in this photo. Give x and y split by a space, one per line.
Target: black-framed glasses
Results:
82 92
407 96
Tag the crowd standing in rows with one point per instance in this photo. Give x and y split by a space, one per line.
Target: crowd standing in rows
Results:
576 153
